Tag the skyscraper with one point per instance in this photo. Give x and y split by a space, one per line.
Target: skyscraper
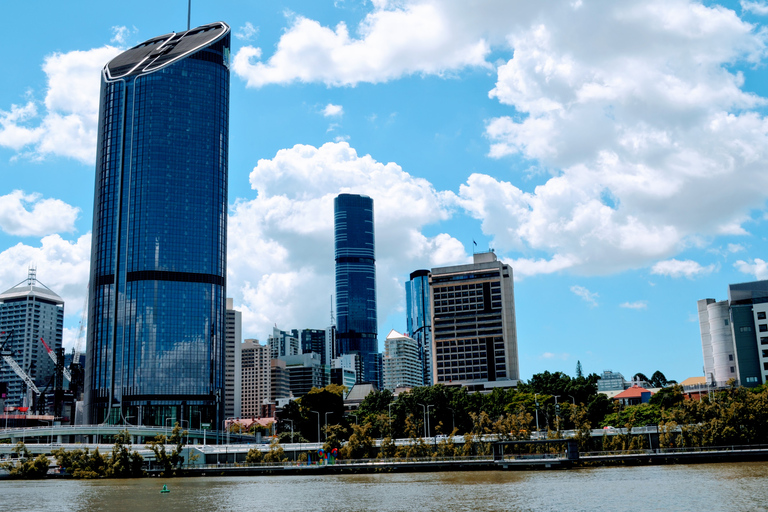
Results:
473 319
233 357
158 259
419 319
402 363
29 311
356 321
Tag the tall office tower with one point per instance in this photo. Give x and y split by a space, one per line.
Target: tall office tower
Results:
280 388
29 311
473 320
402 362
233 341
344 371
419 320
304 373
158 258
313 340
283 343
356 321
256 379
734 335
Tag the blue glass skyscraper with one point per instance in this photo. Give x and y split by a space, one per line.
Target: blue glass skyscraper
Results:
419 319
356 320
158 260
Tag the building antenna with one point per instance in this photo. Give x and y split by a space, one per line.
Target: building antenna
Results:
189 12
333 320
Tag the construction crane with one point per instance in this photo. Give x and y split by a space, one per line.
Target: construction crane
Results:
55 360
7 356
77 349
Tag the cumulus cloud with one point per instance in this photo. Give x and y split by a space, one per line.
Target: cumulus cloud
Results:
760 8
681 268
47 216
639 304
64 124
551 355
588 297
246 32
332 110
756 267
281 243
62 265
121 34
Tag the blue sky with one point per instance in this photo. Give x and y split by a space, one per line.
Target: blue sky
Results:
611 152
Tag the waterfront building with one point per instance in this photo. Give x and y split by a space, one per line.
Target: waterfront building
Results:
233 341
304 373
734 335
473 321
283 343
256 380
402 362
29 311
280 383
155 350
356 319
419 319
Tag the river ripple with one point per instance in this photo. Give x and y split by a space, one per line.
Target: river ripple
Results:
711 487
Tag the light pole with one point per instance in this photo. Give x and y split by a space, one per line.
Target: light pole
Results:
574 400
536 402
318 425
429 430
557 413
291 422
389 408
453 420
355 415
424 410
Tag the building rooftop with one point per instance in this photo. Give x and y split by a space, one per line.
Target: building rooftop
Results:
633 392
30 286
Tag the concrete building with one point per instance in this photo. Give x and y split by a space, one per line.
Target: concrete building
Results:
734 335
344 370
402 362
283 343
314 340
233 341
304 373
280 381
256 380
29 311
611 381
157 296
419 319
473 324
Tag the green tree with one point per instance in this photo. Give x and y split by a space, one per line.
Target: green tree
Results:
360 444
254 456
275 453
173 460
123 463
25 466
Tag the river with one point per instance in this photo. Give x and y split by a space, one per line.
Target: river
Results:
710 487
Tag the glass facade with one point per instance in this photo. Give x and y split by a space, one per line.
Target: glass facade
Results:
356 320
158 263
419 320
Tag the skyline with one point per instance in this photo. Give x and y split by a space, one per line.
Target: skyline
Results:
619 181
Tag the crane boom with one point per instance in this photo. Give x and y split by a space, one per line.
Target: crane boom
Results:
78 347
6 355
55 360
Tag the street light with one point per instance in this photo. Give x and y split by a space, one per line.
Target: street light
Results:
326 425
291 422
429 430
318 425
389 408
453 420
574 400
557 415
536 401
355 415
424 410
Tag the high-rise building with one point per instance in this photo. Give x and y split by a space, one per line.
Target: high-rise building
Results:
283 343
29 311
402 362
304 373
233 341
419 320
256 379
356 320
734 335
158 259
314 340
473 324
280 381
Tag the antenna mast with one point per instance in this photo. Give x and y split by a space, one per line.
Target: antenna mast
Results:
189 12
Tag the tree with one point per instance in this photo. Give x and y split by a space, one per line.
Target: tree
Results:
360 444
658 380
254 456
641 377
25 466
275 453
579 373
173 460
123 463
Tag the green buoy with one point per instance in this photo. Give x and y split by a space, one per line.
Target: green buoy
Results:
164 489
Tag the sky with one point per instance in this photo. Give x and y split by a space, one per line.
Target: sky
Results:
613 153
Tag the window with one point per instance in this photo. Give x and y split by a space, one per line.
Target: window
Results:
725 321
750 380
730 357
764 340
745 328
733 370
765 366
761 315
763 327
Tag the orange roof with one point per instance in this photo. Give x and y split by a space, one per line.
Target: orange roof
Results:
633 392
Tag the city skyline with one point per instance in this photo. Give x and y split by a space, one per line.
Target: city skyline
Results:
621 183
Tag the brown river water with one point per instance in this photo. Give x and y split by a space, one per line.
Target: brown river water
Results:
700 487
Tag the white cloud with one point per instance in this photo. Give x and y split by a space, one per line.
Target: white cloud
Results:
62 265
736 248
756 267
246 32
46 217
681 268
332 110
281 243
639 304
760 8
588 297
551 355
121 34
67 125
395 39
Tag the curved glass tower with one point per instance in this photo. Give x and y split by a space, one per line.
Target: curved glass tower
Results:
158 260
419 319
356 321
